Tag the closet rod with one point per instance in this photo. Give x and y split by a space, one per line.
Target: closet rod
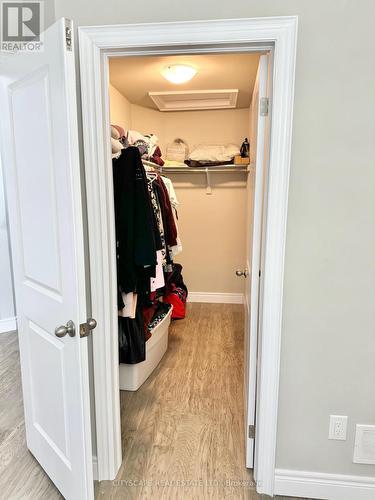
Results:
203 170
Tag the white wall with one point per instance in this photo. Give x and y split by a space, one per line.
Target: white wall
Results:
6 288
328 346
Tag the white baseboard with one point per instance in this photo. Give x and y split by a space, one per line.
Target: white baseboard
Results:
216 298
320 485
8 325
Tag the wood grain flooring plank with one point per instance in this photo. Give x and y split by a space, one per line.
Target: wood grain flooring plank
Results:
21 476
183 435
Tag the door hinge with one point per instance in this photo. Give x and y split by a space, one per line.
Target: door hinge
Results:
251 431
68 34
260 273
264 106
85 328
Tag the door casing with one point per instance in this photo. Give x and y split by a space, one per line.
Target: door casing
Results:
97 44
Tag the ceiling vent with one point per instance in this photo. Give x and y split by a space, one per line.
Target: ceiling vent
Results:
194 100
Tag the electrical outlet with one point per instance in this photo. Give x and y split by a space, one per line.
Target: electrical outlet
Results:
338 427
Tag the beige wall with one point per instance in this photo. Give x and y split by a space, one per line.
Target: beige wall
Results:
148 121
131 116
212 230
212 227
214 126
328 345
120 108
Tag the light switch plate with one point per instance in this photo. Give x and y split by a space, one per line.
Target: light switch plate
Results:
364 447
338 425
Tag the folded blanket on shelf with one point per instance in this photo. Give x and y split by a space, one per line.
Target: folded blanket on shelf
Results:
214 153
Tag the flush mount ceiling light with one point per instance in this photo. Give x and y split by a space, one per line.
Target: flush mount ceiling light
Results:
178 73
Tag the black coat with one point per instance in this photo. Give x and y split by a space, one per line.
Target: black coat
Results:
136 250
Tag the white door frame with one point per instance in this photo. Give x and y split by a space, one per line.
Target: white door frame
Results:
97 44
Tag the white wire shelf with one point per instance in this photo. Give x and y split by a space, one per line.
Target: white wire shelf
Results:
207 171
185 169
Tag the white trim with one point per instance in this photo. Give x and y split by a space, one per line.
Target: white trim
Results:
216 297
323 486
194 100
8 325
103 281
234 35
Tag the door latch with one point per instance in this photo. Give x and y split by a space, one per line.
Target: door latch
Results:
85 328
68 34
244 273
264 106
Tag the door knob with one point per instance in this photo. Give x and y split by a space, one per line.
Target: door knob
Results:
244 273
92 323
85 328
69 329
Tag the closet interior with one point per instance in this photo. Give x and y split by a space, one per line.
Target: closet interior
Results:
183 149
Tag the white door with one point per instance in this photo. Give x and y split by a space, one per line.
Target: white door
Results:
42 178
259 125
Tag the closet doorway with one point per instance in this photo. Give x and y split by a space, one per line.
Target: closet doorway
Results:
206 139
260 190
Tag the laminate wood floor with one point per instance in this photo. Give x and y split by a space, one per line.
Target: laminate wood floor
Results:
21 476
184 424
183 429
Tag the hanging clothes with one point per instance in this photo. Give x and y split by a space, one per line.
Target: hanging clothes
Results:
158 282
130 305
176 249
146 239
171 191
136 249
170 229
157 215
165 222
176 292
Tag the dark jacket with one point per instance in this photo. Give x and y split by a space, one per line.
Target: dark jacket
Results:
136 250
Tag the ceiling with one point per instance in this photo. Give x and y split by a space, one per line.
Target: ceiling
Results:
135 77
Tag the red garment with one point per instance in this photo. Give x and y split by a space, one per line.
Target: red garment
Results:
148 313
156 157
171 233
177 298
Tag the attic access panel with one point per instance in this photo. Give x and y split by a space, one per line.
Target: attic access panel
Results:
194 100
